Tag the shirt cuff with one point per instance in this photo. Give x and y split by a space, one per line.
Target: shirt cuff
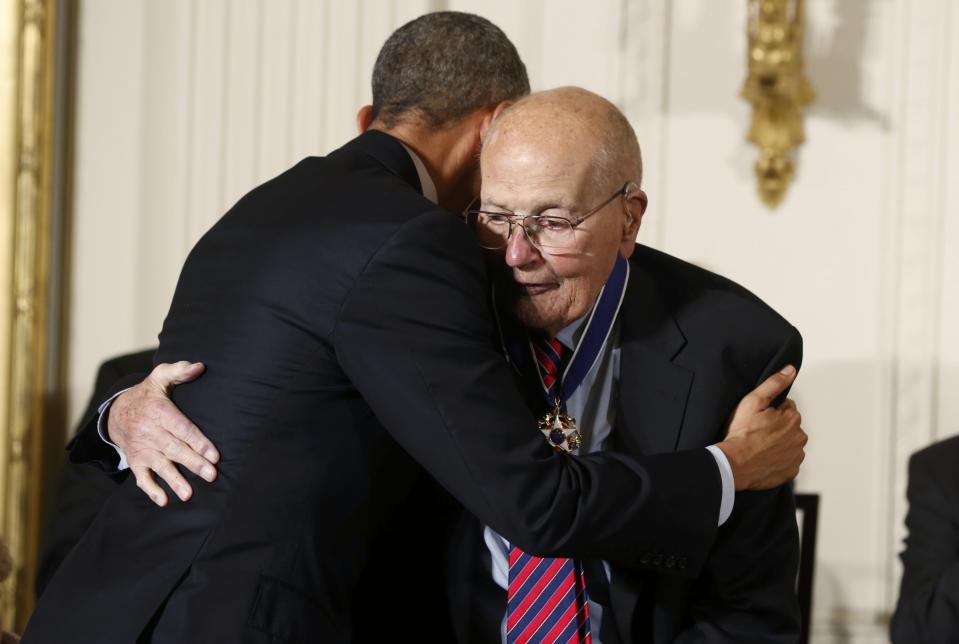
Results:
103 410
729 484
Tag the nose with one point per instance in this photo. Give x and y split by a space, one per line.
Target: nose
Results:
519 251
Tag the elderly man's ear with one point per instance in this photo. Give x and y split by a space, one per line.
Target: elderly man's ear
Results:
635 208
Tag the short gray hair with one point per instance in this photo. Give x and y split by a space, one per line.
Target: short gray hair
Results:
441 66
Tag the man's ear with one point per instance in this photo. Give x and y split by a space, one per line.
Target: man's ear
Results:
364 118
635 207
491 116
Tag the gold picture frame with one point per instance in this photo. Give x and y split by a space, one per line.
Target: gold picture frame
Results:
28 38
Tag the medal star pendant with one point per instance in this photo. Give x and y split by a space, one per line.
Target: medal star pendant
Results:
560 430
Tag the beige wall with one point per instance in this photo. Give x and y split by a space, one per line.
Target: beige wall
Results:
186 104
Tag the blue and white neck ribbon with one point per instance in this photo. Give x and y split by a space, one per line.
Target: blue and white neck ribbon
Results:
599 325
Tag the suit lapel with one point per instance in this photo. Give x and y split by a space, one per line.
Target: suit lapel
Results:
652 389
653 392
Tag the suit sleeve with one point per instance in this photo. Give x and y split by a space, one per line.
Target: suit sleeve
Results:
928 606
87 446
81 490
414 337
746 592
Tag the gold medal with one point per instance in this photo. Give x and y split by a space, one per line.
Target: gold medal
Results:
559 429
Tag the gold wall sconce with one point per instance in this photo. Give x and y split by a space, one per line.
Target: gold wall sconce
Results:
778 89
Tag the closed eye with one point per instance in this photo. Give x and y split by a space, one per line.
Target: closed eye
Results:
552 223
495 217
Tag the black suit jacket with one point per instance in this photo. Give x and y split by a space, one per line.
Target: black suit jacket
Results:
928 607
692 345
344 323
82 490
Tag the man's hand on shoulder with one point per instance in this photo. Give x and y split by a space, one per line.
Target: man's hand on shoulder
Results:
764 444
154 435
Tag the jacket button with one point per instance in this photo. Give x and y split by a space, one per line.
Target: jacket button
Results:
670 561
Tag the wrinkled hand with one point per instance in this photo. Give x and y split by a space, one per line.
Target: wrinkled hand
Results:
154 434
764 444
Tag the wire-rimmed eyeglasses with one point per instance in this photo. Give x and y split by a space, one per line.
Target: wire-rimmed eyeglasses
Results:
548 233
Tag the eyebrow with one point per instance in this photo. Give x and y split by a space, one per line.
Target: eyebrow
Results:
546 205
493 204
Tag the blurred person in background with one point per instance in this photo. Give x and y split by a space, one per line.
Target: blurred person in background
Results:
928 608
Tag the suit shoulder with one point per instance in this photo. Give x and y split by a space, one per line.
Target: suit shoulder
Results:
694 292
437 239
937 460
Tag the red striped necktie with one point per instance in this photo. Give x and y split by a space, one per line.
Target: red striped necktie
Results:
546 600
550 358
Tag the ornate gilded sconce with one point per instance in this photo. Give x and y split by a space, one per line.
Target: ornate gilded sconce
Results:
778 89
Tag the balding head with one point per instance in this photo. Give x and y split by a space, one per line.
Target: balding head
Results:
575 118
564 160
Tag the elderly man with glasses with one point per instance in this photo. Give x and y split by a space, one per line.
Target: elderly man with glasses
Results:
625 349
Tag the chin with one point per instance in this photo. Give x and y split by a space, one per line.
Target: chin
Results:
528 317
534 318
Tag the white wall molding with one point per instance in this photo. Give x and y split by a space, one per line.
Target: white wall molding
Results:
643 95
916 197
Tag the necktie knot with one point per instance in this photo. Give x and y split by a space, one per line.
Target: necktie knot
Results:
550 360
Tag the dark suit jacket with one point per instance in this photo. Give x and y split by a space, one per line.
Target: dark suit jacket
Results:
344 323
82 489
692 345
928 607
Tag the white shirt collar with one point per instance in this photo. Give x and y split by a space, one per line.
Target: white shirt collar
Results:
570 334
426 182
